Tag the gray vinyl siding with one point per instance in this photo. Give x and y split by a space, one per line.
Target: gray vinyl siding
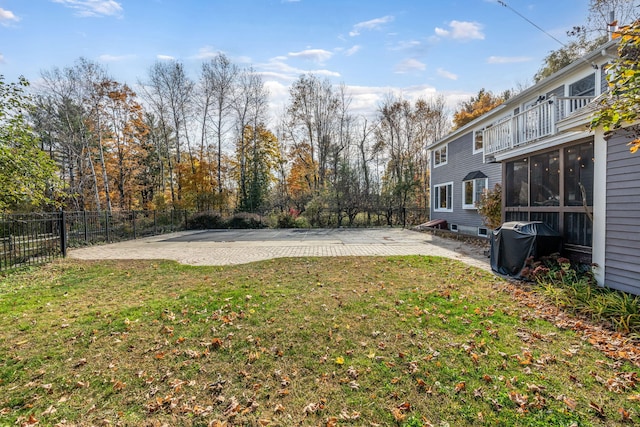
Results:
622 244
461 161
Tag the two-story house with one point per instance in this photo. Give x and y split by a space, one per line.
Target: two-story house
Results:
554 169
459 175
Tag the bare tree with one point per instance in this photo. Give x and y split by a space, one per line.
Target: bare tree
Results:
74 127
218 78
313 113
168 91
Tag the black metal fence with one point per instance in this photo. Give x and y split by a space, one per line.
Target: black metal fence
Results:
30 239
34 238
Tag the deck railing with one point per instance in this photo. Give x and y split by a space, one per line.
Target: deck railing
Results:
532 124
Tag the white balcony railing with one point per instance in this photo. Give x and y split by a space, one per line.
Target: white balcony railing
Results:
530 125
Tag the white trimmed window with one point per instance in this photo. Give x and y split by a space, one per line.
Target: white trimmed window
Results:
440 156
478 144
443 197
472 187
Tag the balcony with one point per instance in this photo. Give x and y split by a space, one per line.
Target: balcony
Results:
536 122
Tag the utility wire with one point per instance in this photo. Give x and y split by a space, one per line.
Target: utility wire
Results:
502 3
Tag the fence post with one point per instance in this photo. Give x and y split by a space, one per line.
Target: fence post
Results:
404 217
63 233
135 235
106 225
86 231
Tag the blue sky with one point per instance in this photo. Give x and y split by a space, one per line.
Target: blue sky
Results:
411 47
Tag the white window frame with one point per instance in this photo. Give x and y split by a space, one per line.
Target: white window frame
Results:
576 81
486 232
436 198
473 142
475 192
446 156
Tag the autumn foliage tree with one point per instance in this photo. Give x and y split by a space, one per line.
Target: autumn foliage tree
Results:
259 149
27 174
622 103
476 106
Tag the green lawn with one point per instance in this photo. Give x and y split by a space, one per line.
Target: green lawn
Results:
397 341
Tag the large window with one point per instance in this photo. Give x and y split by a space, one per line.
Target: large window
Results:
472 188
578 175
555 187
545 179
440 156
517 183
443 196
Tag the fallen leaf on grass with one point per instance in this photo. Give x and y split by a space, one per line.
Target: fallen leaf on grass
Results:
31 421
80 362
49 411
599 410
344 415
519 399
624 414
571 404
398 415
311 408
332 422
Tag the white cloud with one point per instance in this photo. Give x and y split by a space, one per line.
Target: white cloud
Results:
507 59
161 57
278 69
372 24
409 65
406 44
446 74
352 50
365 100
114 58
2 61
91 8
7 17
243 59
207 52
461 30
316 55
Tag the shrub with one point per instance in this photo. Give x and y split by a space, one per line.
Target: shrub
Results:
289 220
573 287
245 220
285 220
205 221
490 207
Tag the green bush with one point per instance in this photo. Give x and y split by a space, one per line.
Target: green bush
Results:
490 207
573 287
205 221
244 220
285 220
